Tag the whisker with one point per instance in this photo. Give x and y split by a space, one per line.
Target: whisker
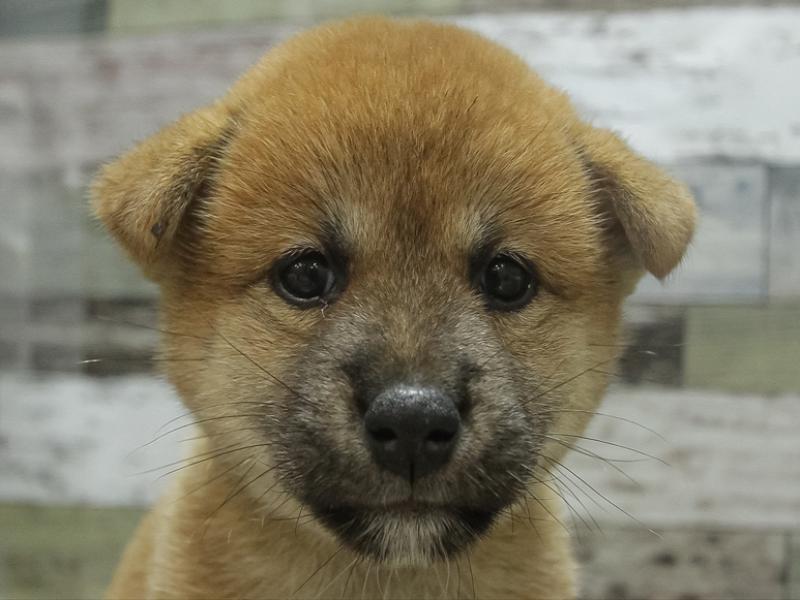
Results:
565 478
192 464
601 414
609 462
572 510
148 327
614 444
238 490
569 380
183 460
547 510
614 504
458 575
647 348
622 376
319 568
563 481
129 359
349 568
211 436
297 522
193 413
192 424
228 497
213 479
366 579
261 368
471 576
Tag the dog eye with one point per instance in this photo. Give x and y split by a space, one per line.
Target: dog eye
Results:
304 280
508 283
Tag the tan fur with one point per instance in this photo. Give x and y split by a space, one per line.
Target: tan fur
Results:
416 135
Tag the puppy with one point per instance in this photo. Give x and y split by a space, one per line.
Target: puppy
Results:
392 262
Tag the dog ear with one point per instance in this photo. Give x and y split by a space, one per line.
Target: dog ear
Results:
145 197
650 216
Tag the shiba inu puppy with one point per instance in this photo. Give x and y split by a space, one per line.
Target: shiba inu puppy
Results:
392 264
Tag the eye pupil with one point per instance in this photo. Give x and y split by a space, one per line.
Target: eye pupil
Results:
307 277
507 283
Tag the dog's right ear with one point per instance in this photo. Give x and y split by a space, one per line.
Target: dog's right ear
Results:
145 196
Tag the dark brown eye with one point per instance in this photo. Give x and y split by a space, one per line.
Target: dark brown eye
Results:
304 280
508 283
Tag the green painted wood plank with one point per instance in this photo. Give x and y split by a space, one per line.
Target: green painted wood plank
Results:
741 348
61 552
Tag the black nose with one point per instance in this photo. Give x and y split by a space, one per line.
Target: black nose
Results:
412 430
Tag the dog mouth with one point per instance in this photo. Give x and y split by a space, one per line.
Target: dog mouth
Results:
407 532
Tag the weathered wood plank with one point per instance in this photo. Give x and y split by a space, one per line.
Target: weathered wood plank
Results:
732 460
57 552
658 77
727 260
784 234
622 564
735 460
743 348
72 439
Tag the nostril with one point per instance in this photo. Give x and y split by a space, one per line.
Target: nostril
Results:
411 431
440 436
383 435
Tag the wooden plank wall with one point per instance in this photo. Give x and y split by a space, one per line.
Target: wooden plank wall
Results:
712 367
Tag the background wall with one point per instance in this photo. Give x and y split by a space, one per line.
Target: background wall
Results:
711 92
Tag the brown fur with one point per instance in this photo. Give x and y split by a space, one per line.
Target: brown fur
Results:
415 140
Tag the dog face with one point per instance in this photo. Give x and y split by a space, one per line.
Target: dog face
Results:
392 262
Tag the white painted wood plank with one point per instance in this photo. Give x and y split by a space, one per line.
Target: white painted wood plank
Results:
735 460
72 439
679 83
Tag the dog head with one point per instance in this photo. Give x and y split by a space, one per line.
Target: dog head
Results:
392 262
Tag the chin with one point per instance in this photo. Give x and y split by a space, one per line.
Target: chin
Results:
408 534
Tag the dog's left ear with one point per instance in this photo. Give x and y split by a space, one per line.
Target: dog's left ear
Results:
650 215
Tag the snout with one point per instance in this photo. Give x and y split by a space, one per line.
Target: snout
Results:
412 431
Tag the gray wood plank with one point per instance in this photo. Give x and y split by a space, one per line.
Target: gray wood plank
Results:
622 564
784 256
727 260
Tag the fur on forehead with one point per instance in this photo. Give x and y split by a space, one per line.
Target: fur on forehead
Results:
418 149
